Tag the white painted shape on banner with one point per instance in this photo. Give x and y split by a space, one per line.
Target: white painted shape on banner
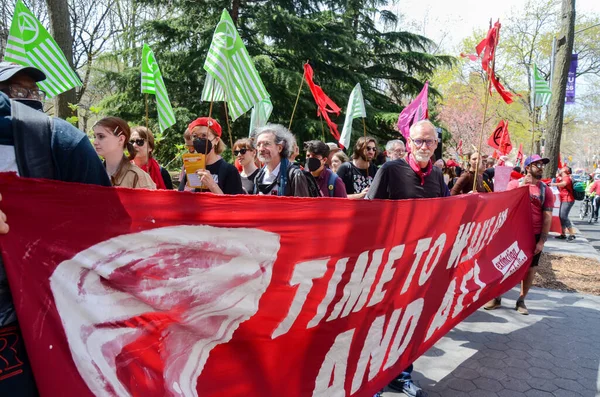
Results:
218 274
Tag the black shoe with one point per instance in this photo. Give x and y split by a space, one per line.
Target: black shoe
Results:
561 237
571 237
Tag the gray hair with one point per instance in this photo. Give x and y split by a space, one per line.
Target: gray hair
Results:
390 145
283 137
423 124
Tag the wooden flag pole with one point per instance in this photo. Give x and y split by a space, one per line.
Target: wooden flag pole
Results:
212 98
228 125
487 98
297 99
322 129
146 100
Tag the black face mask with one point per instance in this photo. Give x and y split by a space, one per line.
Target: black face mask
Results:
202 145
32 103
313 164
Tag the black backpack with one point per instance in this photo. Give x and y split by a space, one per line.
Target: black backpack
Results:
32 133
313 188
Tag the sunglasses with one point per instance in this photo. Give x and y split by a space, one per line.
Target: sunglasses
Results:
139 142
241 151
371 149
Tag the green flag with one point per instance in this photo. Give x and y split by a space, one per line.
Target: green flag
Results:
152 83
30 44
260 114
356 108
541 90
232 69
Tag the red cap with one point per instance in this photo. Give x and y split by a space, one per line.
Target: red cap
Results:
207 122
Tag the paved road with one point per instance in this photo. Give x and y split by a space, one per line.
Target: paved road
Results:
553 352
591 232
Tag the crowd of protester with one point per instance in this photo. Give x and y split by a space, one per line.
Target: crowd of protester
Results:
265 164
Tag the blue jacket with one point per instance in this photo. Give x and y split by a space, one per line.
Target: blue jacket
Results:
75 160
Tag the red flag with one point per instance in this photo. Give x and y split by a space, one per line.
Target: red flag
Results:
324 104
417 110
472 57
505 143
520 155
560 163
495 139
495 155
459 148
487 47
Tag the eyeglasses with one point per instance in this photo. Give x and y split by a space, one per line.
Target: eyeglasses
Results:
242 151
539 166
371 149
420 142
20 92
139 142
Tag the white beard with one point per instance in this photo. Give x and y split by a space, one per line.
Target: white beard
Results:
421 157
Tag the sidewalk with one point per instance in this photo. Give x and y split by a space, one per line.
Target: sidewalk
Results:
553 352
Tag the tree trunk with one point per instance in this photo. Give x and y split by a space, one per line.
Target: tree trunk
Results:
556 109
60 27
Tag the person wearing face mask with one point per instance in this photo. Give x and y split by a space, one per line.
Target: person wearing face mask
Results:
317 154
35 146
111 138
245 152
464 184
142 141
542 204
219 177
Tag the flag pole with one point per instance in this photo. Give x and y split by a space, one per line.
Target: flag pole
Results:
146 100
212 97
297 99
228 125
322 128
533 130
487 99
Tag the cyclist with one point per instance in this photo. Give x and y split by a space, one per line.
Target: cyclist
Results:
594 191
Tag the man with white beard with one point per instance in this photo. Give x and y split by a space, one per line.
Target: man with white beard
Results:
416 177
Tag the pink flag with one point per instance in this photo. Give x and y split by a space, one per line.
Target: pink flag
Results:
415 111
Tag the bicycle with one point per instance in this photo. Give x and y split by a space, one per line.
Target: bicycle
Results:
592 211
585 208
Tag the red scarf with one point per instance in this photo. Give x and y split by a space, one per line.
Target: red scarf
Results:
153 169
417 168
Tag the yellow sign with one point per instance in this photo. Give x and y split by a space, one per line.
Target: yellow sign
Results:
193 162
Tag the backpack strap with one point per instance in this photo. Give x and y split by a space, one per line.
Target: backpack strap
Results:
32 134
331 183
542 187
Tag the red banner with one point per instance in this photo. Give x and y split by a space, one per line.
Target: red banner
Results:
125 292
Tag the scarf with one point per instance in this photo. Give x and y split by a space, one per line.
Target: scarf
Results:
153 169
417 168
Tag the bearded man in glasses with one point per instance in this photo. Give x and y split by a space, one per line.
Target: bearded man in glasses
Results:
416 177
37 146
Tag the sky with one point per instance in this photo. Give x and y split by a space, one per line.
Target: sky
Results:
449 21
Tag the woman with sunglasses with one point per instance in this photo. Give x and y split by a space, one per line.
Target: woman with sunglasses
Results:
464 184
142 141
219 177
245 153
111 137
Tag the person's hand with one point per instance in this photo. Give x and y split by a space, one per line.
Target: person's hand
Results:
527 180
206 178
363 194
3 225
539 247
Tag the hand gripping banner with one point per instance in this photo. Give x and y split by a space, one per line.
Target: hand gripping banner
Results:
125 292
